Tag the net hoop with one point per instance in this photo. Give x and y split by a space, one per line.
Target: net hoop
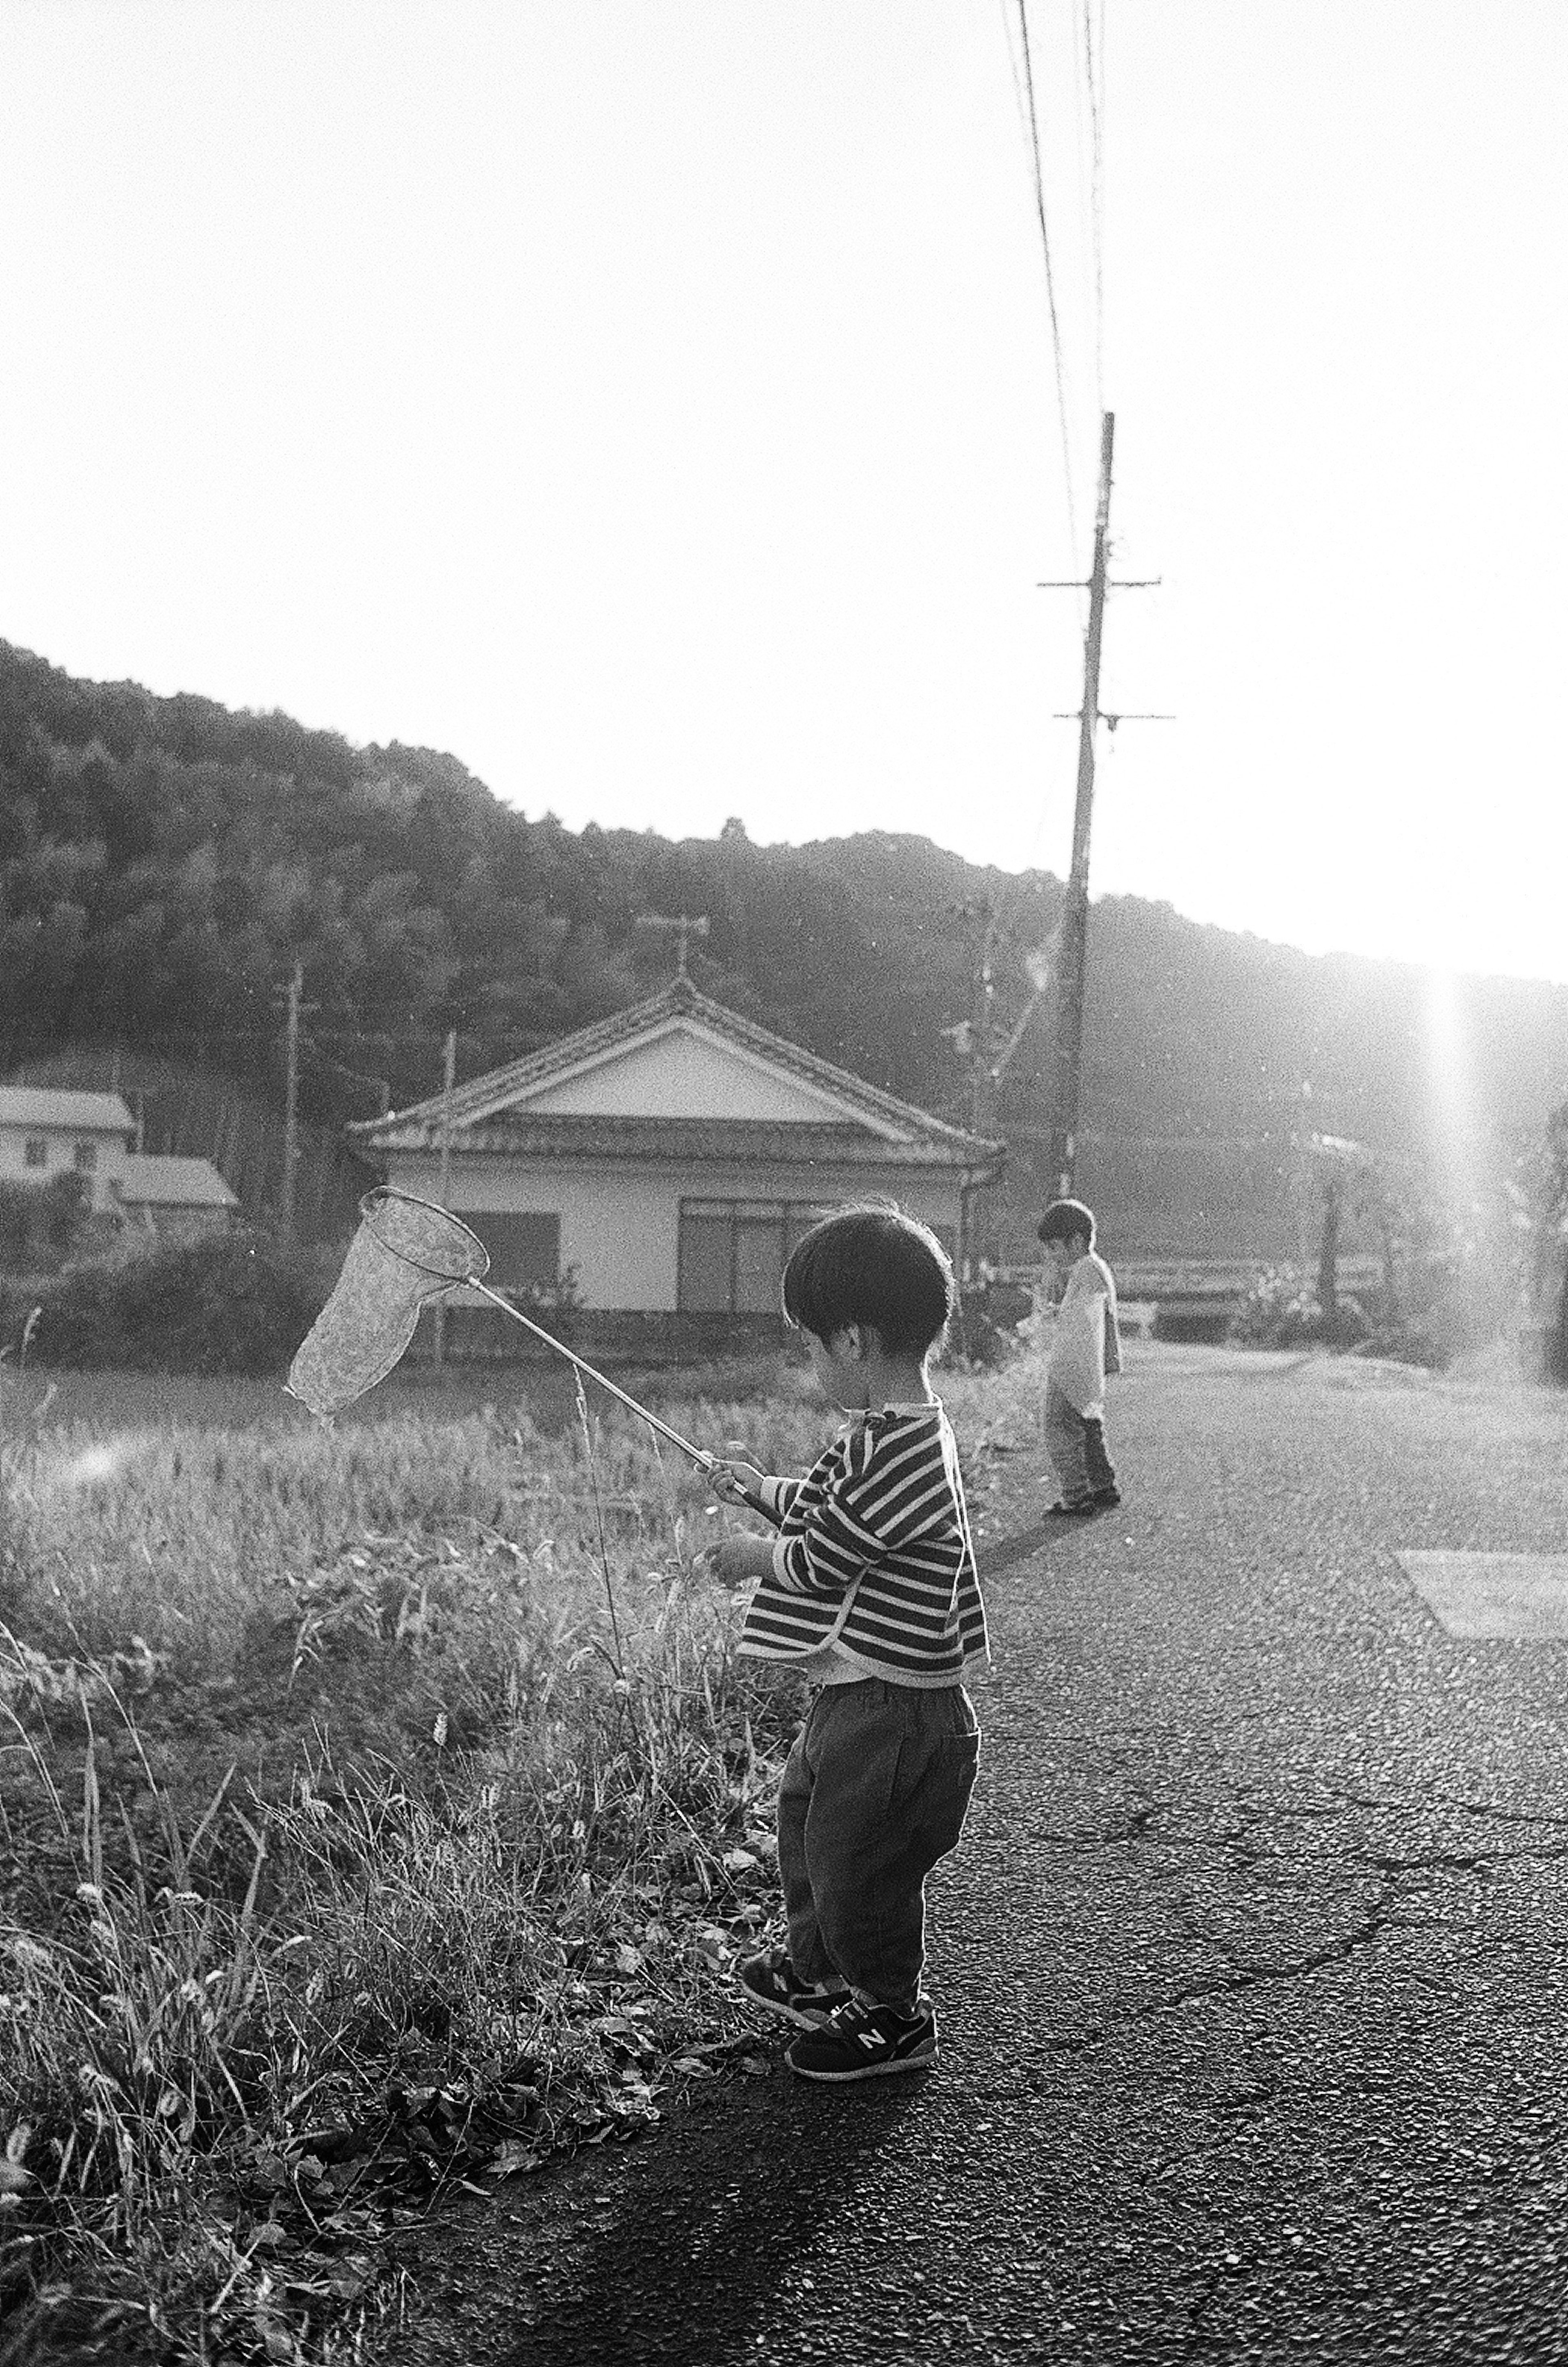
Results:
374 1309
405 1226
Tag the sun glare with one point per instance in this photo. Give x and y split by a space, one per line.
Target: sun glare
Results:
1455 1116
99 1462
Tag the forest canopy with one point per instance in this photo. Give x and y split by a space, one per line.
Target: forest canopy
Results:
164 863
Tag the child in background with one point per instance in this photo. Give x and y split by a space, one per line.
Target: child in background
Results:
870 1590
1085 1346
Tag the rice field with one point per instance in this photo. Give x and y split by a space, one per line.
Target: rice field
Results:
380 1808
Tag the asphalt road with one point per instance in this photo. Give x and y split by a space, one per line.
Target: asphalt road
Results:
1251 1970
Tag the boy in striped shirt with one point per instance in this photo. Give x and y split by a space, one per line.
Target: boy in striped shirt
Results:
868 1589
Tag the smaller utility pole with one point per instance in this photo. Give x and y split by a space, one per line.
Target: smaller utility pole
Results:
448 1078
291 1105
981 1015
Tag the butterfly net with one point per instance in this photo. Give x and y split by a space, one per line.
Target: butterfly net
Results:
405 1252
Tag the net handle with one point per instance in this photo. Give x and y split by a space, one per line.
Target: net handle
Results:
374 1200
704 1461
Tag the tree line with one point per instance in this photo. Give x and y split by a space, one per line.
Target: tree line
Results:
165 862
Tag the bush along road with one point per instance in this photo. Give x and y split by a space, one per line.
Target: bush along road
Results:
1251 1971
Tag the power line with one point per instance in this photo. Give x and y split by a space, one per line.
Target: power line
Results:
1035 162
1096 109
41 1033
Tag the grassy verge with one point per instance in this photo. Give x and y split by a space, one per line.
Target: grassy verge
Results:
113 1403
378 1810
375 1809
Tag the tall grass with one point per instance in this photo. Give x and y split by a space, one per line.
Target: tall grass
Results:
377 1810
378 1807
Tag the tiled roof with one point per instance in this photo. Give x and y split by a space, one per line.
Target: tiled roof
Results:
148 1181
73 1112
478 1107
708 1141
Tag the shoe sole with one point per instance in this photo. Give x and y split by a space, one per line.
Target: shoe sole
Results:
805 2018
921 2062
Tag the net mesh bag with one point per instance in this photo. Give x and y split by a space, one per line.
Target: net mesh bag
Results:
405 1252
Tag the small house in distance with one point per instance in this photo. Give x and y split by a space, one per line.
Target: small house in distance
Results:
47 1131
659 1167
173 1200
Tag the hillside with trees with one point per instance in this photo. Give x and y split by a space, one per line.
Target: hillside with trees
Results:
165 862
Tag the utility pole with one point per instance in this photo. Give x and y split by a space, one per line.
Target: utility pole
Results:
982 1019
1066 1066
1068 1060
449 1079
292 1105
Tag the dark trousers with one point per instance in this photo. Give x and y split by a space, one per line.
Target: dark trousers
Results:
874 1791
1076 1444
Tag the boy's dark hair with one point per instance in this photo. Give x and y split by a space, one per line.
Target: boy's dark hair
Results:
1064 1218
872 1265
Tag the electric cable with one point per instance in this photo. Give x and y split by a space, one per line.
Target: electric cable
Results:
1023 90
1038 171
1096 83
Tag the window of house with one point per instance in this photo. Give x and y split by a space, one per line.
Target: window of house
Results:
86 1157
525 1249
732 1252
35 1151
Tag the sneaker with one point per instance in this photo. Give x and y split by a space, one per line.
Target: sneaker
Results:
863 2042
772 1980
1081 1511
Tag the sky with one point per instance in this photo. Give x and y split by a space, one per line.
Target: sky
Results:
656 403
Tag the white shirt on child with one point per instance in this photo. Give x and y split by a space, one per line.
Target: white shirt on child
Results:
1086 1325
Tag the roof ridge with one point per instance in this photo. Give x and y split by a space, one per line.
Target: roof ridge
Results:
681 998
16 1089
574 1134
598 1035
888 1103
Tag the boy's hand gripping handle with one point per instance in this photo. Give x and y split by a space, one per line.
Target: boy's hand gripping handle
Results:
737 1482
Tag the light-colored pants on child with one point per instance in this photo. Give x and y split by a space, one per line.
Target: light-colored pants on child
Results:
1076 1444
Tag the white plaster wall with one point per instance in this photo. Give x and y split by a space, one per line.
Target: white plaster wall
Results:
684 1073
63 1141
619 1224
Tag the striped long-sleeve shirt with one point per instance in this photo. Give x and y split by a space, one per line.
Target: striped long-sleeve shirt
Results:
873 1556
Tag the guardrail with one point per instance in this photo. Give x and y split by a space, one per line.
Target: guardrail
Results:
1199 1277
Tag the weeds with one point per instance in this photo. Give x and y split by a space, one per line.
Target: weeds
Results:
379 1813
375 1813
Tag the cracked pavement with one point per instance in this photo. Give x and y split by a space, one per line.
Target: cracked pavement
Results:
1252 1969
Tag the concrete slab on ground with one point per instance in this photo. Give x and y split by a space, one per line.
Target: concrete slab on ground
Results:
1520 1597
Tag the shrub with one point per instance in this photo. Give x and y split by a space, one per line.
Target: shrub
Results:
1407 1343
40 1225
1281 1310
66 1206
17 1209
977 1343
236 1302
